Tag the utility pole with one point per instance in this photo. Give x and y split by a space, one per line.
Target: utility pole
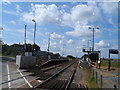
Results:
93 38
34 37
25 47
93 35
34 34
49 45
1 28
109 62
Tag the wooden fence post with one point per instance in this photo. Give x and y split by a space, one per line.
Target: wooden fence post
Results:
96 77
101 79
115 87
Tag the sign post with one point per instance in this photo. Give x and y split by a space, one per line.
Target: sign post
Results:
111 51
109 62
99 63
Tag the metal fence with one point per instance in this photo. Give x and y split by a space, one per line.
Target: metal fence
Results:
102 80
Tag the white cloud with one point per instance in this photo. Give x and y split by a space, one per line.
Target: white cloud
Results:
64 6
111 22
79 18
6 1
43 14
10 12
13 22
101 44
109 7
29 41
70 41
54 47
103 47
56 36
81 14
83 31
60 41
78 15
18 8
83 40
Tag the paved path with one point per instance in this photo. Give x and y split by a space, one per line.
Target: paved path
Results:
10 71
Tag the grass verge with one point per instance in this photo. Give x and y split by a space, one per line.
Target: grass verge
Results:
90 80
113 64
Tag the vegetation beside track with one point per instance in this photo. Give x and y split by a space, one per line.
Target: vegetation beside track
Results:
90 80
114 63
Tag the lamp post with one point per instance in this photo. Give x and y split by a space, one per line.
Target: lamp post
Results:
93 35
49 45
25 47
1 42
34 33
1 28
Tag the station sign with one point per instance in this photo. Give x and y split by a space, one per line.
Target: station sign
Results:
113 51
86 50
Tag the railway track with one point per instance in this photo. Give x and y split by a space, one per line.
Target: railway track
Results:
52 77
54 66
34 73
52 81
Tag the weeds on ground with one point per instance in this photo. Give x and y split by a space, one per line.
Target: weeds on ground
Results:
113 64
90 80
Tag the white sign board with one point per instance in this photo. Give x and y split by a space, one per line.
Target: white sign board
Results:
98 61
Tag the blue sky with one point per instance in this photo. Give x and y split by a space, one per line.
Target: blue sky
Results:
69 22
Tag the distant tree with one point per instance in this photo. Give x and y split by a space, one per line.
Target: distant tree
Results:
57 55
37 48
70 57
30 47
15 49
1 42
84 56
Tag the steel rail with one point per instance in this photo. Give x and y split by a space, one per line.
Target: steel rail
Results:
53 76
71 78
52 67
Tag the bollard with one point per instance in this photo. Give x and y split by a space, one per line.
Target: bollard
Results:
115 87
96 77
101 81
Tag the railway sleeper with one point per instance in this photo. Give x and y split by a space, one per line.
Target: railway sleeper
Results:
73 86
82 87
59 84
43 76
52 84
64 84
47 85
56 84
40 74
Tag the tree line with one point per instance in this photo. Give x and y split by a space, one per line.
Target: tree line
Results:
18 49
